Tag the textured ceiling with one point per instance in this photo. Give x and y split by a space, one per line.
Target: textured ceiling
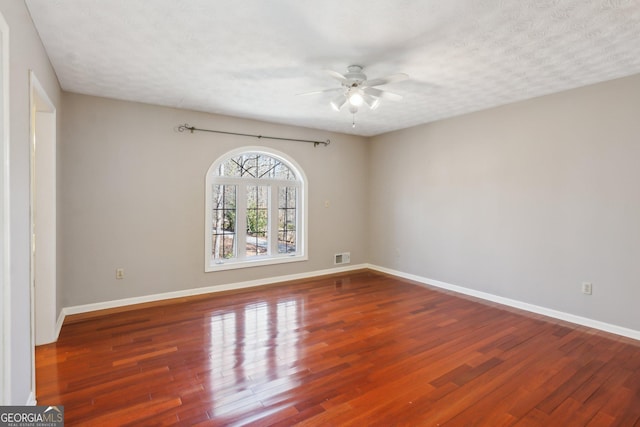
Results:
250 58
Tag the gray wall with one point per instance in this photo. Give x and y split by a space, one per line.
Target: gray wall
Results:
26 53
132 196
524 201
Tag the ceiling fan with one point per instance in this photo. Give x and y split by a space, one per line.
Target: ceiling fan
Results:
357 90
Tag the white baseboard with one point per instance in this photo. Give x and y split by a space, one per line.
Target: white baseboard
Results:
579 320
85 308
59 324
32 400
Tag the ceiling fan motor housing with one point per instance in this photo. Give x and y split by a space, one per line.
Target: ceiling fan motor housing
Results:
355 76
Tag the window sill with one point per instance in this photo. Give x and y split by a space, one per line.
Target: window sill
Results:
232 265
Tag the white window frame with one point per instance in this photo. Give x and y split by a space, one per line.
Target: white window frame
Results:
241 260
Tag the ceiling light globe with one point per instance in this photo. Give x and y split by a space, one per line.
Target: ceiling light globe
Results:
356 99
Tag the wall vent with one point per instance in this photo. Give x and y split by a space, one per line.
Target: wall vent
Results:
343 258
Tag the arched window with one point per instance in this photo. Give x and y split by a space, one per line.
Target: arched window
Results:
255 210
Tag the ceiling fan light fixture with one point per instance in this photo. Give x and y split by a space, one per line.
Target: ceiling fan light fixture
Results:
371 101
356 89
338 102
355 99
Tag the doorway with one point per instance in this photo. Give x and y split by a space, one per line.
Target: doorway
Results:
43 214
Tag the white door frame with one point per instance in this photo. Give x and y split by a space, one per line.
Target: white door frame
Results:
42 136
5 276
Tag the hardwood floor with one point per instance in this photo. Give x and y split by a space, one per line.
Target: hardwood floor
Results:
353 349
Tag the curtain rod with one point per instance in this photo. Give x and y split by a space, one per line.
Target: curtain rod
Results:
186 127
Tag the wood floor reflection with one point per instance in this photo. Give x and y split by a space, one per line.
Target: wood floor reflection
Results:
358 348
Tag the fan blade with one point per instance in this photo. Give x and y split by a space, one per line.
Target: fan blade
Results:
316 92
336 75
381 93
338 101
386 80
371 101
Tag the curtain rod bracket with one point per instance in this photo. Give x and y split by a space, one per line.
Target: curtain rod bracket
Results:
192 129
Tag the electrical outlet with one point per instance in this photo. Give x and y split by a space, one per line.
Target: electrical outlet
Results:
587 288
119 273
